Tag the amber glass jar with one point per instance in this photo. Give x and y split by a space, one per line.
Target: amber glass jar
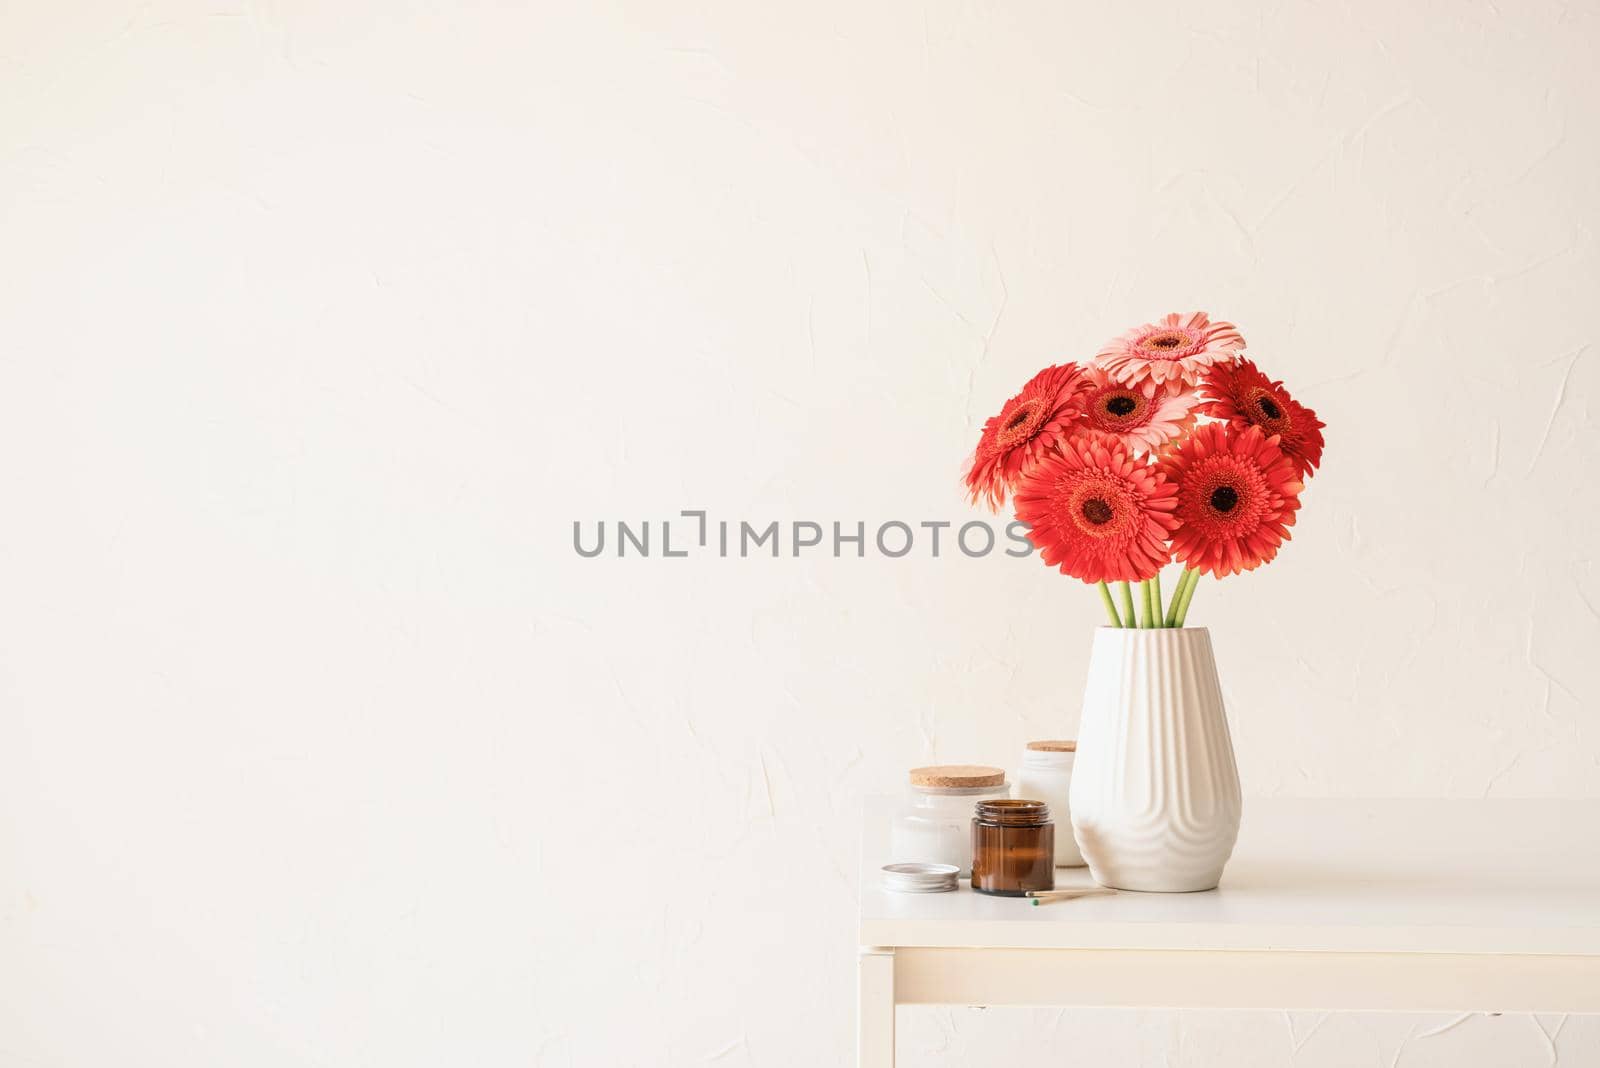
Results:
1013 848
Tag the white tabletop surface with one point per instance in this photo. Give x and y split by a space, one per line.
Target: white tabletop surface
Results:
1404 876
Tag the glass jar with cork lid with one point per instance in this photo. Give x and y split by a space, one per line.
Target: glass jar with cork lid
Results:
1046 775
934 825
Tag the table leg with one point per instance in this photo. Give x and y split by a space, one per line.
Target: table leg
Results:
875 1007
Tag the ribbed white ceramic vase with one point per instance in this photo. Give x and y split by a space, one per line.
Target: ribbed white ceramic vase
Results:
1155 792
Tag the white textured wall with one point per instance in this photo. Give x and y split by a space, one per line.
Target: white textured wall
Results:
320 322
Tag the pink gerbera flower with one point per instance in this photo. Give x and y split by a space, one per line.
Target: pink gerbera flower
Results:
1175 350
1142 418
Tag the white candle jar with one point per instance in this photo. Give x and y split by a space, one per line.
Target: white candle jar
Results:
934 825
1046 775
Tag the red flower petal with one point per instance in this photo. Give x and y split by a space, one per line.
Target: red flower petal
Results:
1237 493
1241 395
1026 429
1096 512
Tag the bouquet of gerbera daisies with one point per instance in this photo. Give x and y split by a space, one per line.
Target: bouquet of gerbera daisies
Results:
1115 473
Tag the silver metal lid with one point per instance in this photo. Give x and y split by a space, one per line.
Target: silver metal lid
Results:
920 878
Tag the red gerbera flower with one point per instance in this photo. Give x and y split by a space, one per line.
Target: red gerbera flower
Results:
1237 495
1174 349
1142 418
1026 428
1097 512
1240 394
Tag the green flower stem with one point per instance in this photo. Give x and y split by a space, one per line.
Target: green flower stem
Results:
1128 615
1184 580
1155 586
1144 596
1111 608
1188 595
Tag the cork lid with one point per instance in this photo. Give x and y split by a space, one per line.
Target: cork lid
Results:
958 775
1068 745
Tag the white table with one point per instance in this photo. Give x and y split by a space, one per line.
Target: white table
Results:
1411 905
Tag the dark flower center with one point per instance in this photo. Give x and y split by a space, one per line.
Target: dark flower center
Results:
1018 417
1269 408
1167 341
1097 511
1120 405
1224 499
